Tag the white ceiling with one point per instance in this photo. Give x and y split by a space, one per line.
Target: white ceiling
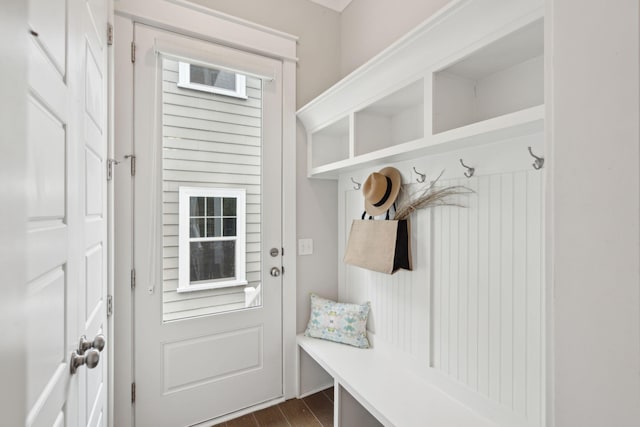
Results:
337 5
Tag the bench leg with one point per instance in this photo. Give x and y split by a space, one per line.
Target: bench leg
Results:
336 403
297 371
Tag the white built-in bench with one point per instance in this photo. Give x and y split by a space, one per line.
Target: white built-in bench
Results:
390 391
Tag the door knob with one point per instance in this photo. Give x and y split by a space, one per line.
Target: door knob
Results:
90 358
275 271
98 343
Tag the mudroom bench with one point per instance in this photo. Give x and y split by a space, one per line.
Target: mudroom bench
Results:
389 391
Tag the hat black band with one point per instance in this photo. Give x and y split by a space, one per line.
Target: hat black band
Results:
386 194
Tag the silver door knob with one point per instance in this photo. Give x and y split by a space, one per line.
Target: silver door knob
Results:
275 271
90 358
98 343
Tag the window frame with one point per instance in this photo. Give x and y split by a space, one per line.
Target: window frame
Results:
184 81
184 238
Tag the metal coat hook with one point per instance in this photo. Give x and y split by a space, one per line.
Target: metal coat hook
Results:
357 184
423 176
470 171
539 162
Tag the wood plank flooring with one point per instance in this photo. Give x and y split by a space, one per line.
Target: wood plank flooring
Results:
315 410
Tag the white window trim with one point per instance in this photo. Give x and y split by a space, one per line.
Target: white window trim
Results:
184 254
184 81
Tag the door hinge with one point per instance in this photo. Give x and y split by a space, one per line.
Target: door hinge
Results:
109 305
110 164
133 52
113 162
133 163
282 251
133 278
133 392
109 33
283 270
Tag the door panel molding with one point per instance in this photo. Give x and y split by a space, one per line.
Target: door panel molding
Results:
66 217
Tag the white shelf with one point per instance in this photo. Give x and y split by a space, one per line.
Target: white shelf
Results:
331 143
524 122
502 77
470 75
393 120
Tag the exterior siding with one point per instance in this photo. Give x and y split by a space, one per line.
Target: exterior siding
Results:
209 140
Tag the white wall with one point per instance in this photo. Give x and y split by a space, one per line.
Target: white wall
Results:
13 29
369 26
317 27
593 207
317 219
332 44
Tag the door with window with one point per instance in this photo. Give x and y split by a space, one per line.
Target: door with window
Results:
207 229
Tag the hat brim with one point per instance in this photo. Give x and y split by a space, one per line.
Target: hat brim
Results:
396 181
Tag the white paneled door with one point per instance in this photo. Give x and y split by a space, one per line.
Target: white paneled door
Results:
207 230
67 237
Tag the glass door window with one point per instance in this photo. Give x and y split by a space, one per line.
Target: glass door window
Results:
211 190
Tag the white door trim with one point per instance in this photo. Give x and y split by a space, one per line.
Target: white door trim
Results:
190 19
227 31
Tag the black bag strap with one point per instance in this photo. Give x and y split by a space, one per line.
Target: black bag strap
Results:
394 210
364 214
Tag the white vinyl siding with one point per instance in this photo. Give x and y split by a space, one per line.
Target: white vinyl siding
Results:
209 140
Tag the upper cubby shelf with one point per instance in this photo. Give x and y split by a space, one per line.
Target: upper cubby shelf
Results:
472 74
500 78
393 120
331 143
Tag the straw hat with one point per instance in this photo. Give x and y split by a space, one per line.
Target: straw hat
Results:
381 189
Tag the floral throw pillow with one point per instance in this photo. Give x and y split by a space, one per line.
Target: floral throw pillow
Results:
339 322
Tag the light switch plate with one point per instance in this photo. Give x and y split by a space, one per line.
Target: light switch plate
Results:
305 246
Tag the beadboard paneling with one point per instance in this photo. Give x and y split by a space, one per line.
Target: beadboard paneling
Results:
487 290
399 302
472 309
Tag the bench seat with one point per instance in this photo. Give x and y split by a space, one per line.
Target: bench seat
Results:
387 390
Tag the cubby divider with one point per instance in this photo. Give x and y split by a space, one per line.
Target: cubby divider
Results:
331 143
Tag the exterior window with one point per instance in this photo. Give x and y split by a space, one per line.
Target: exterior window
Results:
211 238
212 80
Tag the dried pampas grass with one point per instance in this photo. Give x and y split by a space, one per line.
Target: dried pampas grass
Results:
429 197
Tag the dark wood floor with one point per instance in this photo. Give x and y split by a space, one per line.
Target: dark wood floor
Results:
315 410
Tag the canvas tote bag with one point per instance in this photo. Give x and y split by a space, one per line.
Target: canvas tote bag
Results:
379 245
